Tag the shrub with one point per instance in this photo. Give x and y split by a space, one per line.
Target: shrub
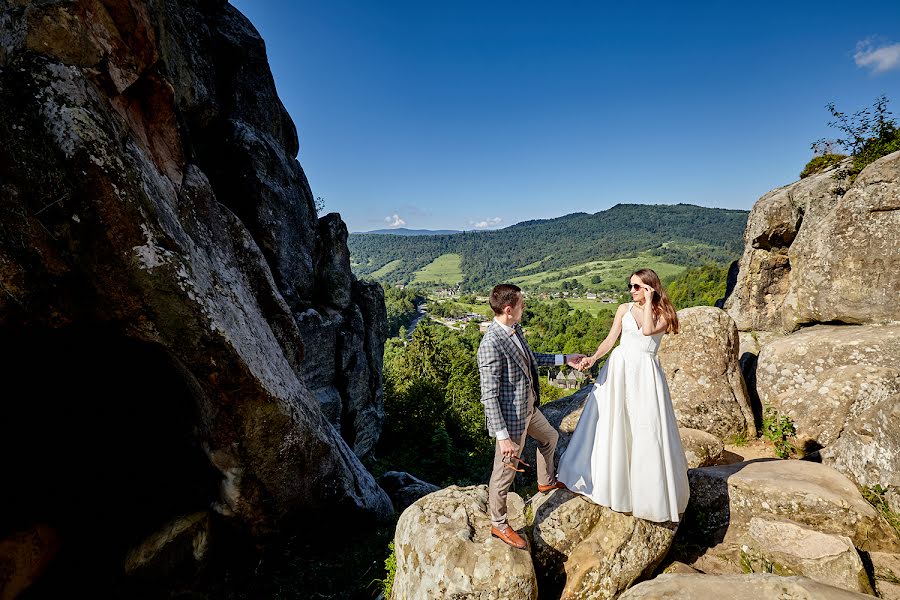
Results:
869 135
820 163
779 429
876 497
390 569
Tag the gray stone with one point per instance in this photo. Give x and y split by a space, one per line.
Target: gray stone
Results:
704 377
151 184
724 499
825 376
868 450
846 265
596 551
700 448
757 586
777 218
886 569
444 549
783 547
404 489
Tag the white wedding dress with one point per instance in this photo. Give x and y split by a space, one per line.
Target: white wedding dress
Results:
626 452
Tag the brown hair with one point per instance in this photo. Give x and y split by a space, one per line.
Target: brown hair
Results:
503 295
661 303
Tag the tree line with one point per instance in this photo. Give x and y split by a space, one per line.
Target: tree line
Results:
682 234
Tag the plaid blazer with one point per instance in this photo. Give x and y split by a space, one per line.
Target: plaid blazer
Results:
504 380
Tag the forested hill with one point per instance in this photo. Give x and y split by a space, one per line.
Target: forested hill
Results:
682 234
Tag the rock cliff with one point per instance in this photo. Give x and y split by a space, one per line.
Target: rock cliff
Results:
187 329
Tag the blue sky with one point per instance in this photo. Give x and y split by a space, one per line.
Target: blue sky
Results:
464 115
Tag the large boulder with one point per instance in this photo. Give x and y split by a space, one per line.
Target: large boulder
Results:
595 551
783 547
704 376
825 376
444 549
757 586
756 302
724 500
868 450
846 265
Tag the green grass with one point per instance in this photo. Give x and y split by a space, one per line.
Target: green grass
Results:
531 266
481 309
595 307
444 269
614 273
385 269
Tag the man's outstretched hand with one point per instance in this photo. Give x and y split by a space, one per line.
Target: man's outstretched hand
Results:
574 360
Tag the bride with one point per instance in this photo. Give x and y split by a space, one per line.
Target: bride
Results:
626 452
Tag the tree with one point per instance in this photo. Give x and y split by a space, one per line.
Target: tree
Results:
868 134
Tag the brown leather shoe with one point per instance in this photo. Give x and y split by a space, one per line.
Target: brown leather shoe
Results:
559 485
509 536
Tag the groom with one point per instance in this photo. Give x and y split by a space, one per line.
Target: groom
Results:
510 392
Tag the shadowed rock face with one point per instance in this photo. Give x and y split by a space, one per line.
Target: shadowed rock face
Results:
148 189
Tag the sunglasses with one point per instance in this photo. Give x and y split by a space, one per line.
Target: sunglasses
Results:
634 286
512 462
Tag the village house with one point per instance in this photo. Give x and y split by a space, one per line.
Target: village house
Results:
571 380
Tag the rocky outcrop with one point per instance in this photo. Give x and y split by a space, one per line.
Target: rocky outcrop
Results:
444 549
814 255
701 366
700 448
846 265
757 300
596 552
724 500
404 489
160 250
759 586
783 547
868 450
826 376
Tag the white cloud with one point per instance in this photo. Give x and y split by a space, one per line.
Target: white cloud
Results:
486 223
878 59
394 221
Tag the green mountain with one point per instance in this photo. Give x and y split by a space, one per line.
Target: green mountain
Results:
405 231
540 253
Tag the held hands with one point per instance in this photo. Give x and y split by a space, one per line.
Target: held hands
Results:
586 363
574 360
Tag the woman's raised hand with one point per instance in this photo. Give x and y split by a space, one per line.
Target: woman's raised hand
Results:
648 293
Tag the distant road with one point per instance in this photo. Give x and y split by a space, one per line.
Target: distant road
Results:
420 314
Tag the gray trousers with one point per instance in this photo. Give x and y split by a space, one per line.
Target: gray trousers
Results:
501 477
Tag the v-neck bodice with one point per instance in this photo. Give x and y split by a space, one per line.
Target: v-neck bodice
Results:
634 339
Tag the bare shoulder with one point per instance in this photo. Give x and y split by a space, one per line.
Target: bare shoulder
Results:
622 309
